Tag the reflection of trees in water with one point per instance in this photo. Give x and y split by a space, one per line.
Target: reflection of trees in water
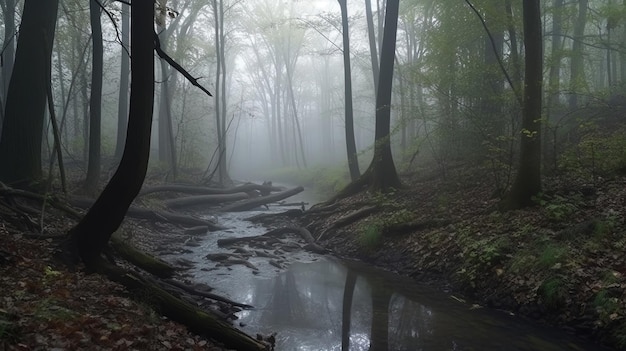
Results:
410 323
285 306
346 313
381 297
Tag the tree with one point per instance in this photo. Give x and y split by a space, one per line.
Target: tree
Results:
220 92
8 52
95 99
122 111
371 36
89 237
384 175
353 161
577 67
167 146
381 175
20 144
528 179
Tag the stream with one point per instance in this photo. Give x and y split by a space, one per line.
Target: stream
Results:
303 303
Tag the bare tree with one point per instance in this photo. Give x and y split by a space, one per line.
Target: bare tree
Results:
20 144
353 161
95 99
528 179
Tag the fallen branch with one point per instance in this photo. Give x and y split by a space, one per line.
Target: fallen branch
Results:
157 216
201 190
350 218
215 199
205 293
197 320
260 201
146 262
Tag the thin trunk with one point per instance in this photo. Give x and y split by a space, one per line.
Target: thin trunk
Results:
372 41
122 109
95 100
528 179
353 161
8 53
577 75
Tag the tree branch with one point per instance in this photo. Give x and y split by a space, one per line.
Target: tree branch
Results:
179 68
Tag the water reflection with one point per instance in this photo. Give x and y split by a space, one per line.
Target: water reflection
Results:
329 305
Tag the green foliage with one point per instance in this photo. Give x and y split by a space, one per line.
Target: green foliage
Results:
50 310
558 207
326 181
606 304
370 236
553 292
8 329
550 256
596 154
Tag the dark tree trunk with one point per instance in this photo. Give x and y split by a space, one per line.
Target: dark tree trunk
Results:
384 175
8 52
20 144
577 66
346 311
122 111
92 233
528 179
353 161
95 100
372 41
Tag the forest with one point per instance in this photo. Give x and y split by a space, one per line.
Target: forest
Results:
313 175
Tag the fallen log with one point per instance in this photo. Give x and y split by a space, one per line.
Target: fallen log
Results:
215 199
250 204
146 262
200 190
195 319
157 216
205 293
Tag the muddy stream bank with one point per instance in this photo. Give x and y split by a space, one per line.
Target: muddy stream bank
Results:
317 302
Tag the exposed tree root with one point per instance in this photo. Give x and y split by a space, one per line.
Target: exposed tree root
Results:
349 218
277 233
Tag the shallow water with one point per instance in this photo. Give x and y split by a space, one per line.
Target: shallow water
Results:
305 304
321 303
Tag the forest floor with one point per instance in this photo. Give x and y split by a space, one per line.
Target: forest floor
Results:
45 306
562 262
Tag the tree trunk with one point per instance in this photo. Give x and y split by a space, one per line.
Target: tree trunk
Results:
528 179
577 67
122 111
372 41
353 161
95 100
8 53
20 144
89 237
346 310
384 175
